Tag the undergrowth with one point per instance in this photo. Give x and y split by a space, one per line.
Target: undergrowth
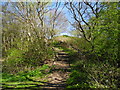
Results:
24 76
88 74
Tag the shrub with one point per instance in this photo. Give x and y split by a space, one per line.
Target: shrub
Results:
14 61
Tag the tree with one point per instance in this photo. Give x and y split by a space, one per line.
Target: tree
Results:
106 42
56 21
81 13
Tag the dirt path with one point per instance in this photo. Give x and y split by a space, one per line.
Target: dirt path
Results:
60 72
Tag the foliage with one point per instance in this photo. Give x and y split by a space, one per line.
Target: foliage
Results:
14 61
23 75
106 43
93 75
18 60
77 80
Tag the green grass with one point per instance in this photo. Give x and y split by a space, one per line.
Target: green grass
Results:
21 79
16 85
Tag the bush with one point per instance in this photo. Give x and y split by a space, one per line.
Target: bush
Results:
17 60
14 61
